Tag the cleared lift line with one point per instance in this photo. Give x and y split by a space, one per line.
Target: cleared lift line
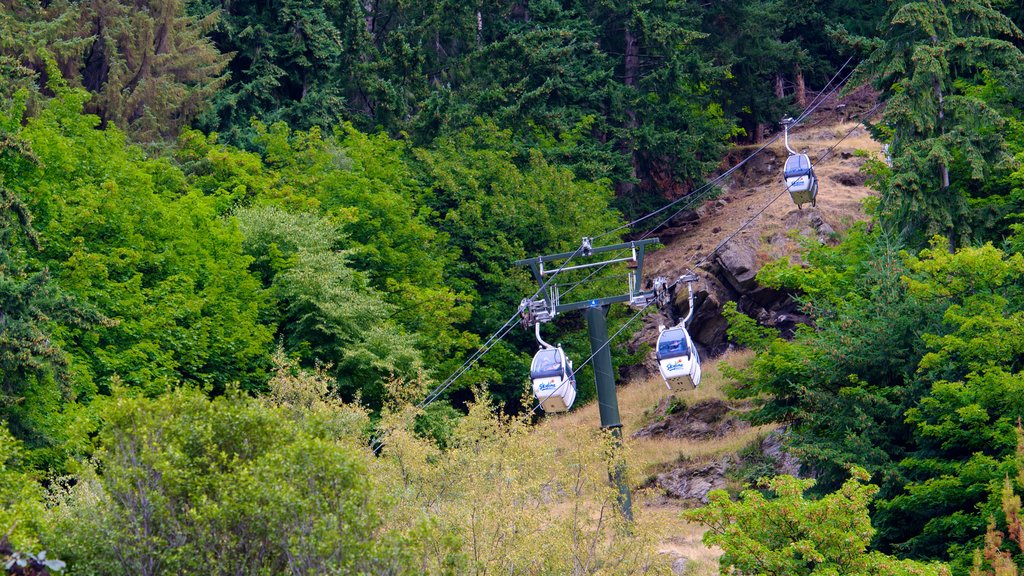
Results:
719 246
607 402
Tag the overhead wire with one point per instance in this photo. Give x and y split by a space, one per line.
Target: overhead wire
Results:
695 196
486 347
814 105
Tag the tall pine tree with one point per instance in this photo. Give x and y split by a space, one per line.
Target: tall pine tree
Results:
928 53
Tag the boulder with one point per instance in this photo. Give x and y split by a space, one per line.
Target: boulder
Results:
684 217
693 481
708 326
702 421
773 446
738 264
850 178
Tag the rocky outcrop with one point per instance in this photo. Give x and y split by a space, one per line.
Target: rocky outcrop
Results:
693 481
732 275
701 421
773 447
737 263
853 178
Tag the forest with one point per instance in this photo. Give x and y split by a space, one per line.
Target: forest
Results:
257 282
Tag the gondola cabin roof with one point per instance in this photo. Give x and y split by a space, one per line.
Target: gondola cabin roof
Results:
797 165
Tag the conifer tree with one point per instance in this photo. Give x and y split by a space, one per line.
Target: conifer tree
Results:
296 62
928 52
150 66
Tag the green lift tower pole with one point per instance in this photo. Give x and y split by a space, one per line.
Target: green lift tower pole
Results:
607 398
596 313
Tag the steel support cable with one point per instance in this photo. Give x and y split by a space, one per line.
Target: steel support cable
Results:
503 331
693 198
807 112
829 83
749 221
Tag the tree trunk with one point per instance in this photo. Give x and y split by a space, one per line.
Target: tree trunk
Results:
801 89
630 72
780 91
521 11
943 167
369 14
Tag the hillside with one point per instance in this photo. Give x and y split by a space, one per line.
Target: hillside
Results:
759 182
685 442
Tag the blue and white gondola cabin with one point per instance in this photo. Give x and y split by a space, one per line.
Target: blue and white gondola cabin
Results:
554 384
677 357
800 180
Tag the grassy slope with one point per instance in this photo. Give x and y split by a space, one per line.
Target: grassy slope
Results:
647 456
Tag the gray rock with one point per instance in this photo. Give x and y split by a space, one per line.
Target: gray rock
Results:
739 266
701 421
773 446
855 178
694 481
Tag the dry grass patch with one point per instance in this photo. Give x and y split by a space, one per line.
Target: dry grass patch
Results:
570 433
653 455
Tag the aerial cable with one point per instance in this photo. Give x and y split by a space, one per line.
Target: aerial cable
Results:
729 172
600 348
815 104
503 331
829 83
694 197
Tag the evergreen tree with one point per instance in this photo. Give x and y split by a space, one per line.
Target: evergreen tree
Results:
150 66
756 41
295 61
929 51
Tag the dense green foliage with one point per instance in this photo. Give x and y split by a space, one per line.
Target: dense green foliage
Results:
180 468
945 136
912 371
913 367
789 534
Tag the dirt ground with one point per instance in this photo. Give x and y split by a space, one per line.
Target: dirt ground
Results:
756 187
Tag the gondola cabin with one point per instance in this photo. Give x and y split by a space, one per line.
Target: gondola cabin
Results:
677 357
554 384
800 180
